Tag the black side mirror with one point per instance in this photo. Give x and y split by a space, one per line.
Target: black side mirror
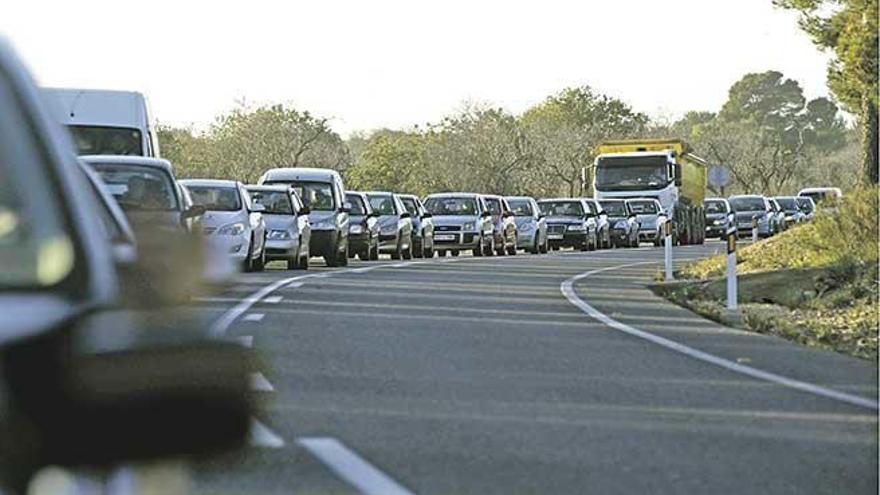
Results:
305 210
485 214
406 214
507 214
427 215
678 175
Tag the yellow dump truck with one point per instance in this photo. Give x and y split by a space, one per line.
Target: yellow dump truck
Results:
664 169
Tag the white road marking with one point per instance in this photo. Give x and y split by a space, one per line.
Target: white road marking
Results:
295 285
260 436
254 317
568 291
246 340
273 299
259 383
352 468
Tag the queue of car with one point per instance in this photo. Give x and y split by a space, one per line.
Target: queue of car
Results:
768 215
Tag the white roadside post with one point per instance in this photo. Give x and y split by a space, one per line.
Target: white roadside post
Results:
667 241
731 268
754 229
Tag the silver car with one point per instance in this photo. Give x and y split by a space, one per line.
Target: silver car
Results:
650 217
462 222
807 207
287 225
395 225
231 221
531 225
791 210
753 207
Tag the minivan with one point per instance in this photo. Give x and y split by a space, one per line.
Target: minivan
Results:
322 191
104 122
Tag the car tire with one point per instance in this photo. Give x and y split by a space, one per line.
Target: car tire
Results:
374 252
441 253
418 251
260 263
398 251
536 245
454 253
408 253
428 252
480 250
303 262
489 250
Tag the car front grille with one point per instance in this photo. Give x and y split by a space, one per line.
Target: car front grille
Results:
556 229
447 228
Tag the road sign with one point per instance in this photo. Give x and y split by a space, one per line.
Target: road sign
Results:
719 176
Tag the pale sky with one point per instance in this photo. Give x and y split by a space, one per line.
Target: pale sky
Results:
367 64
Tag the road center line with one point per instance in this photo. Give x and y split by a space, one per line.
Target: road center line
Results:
568 291
260 436
259 383
254 317
352 468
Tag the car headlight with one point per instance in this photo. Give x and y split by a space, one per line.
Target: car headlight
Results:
718 222
577 227
279 235
526 227
356 229
469 226
231 229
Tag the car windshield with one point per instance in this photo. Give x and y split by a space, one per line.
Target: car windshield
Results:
631 173
410 205
614 208
521 207
746 203
275 202
805 204
357 204
787 204
644 207
445 206
383 204
137 187
562 208
216 198
494 206
94 140
715 206
318 196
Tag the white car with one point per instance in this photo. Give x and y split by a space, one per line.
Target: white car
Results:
231 221
287 223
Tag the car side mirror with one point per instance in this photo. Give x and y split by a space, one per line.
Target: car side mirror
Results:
541 216
485 214
678 175
406 214
507 214
427 215
257 208
194 211
305 210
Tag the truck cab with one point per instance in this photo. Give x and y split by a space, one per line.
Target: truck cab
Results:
664 170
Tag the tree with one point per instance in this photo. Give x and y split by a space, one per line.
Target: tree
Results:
566 128
849 28
389 160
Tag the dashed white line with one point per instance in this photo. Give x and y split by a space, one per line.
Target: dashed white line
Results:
254 317
568 291
273 299
259 383
352 468
295 285
260 436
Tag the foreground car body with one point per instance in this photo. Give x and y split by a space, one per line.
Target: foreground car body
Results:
231 222
531 225
461 223
569 223
287 225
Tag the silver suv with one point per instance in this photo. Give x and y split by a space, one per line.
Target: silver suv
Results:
462 222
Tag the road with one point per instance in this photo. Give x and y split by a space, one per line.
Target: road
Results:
482 375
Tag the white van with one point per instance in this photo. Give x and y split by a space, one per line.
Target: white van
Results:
104 122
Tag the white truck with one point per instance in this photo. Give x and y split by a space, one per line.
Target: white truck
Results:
663 169
105 122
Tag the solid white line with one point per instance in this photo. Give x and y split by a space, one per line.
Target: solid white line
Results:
352 468
260 436
273 299
259 383
254 317
568 291
246 340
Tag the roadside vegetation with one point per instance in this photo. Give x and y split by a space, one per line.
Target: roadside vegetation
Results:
816 283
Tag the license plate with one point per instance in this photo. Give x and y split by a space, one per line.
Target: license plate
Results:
554 236
445 237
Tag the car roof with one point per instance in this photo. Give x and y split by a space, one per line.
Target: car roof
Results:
653 200
612 200
209 182
358 193
454 195
518 197
408 196
302 173
492 196
128 160
560 199
715 199
819 189
747 196
784 197
379 193
273 187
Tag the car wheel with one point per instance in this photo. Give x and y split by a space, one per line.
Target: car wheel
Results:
480 250
428 252
248 260
408 253
418 251
441 253
303 262
398 251
455 253
294 261
374 252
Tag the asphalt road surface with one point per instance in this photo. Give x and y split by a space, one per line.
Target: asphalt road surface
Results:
488 376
